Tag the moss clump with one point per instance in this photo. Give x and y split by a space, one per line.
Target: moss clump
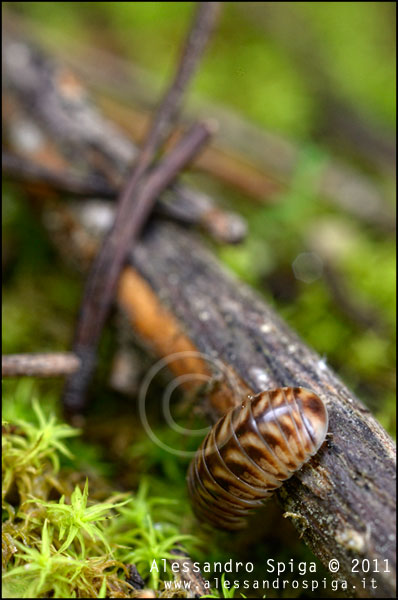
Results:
57 541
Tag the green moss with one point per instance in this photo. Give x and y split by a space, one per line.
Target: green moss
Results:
71 546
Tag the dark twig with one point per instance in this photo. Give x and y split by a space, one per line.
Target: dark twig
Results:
19 168
168 109
134 207
100 293
51 364
184 204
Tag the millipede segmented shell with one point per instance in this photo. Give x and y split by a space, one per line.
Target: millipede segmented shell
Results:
251 451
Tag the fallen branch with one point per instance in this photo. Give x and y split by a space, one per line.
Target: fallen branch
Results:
58 102
343 501
183 204
102 282
51 364
257 162
134 207
18 168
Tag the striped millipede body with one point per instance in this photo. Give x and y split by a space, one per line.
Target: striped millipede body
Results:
251 451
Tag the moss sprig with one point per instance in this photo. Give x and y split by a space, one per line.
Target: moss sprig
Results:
57 541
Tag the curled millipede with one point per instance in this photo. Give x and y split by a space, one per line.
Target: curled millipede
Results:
251 451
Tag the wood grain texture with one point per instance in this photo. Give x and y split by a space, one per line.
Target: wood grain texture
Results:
344 498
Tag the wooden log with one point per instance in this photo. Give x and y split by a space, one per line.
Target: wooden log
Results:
344 499
179 298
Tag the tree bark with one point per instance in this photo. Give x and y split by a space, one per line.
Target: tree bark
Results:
344 499
180 300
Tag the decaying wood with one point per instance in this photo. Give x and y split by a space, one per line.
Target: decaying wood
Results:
179 298
347 492
184 204
51 364
135 204
186 574
262 165
101 285
259 163
217 160
53 102
20 169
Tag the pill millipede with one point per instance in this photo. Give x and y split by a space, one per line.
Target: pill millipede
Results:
251 451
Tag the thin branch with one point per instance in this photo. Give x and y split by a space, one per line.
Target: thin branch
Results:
100 292
51 364
183 204
134 207
168 109
19 168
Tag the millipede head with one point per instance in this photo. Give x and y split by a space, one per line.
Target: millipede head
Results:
314 414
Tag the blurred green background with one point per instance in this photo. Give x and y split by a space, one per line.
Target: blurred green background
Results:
320 75
280 66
